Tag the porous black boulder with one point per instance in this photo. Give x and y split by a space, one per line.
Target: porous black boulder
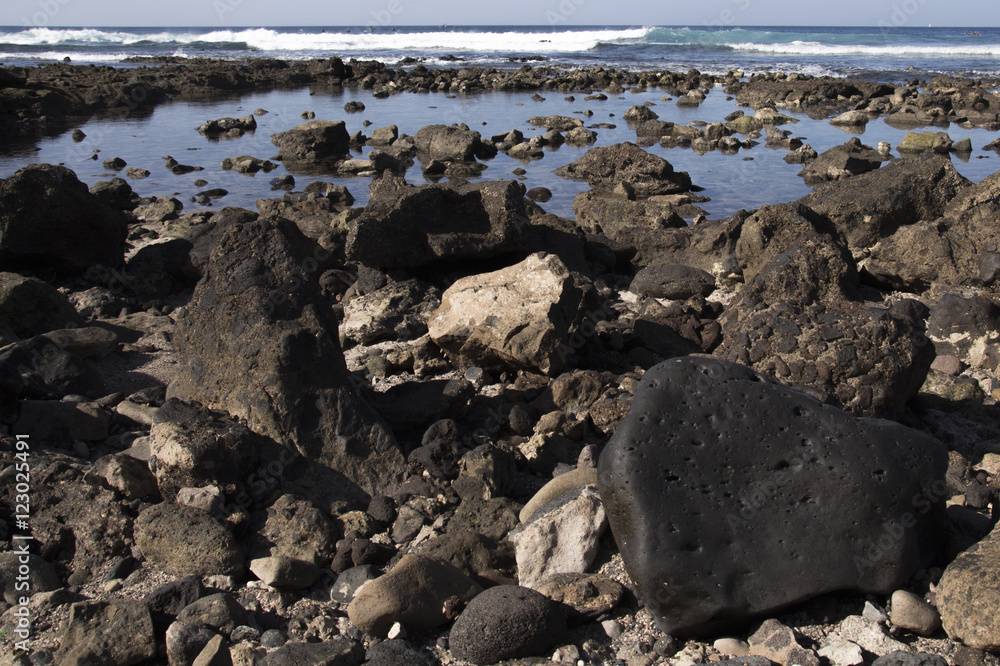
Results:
732 496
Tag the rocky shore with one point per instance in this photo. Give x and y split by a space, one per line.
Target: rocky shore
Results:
447 427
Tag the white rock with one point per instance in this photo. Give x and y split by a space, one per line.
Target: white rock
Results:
912 613
990 464
869 636
841 653
612 628
396 631
519 315
733 647
874 613
560 540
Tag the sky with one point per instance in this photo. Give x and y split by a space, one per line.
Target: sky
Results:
255 13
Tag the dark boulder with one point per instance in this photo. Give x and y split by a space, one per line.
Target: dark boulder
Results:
873 205
408 227
507 622
313 141
607 166
115 193
50 223
675 282
600 214
259 340
451 144
29 307
842 162
236 126
776 498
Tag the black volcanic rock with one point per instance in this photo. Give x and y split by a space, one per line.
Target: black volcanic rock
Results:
51 223
259 341
773 497
408 227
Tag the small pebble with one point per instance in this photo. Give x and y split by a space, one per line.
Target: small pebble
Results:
612 628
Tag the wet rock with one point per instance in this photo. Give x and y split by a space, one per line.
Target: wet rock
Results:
560 537
115 632
876 495
968 598
607 166
506 622
412 593
49 222
454 143
384 136
115 193
181 540
228 125
409 227
313 141
873 205
518 316
258 342
557 123
248 164
850 119
640 113
919 142
580 136
840 162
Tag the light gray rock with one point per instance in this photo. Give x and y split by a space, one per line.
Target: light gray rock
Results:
38 573
841 653
561 537
869 635
518 316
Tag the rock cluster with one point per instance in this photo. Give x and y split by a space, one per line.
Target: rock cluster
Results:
399 433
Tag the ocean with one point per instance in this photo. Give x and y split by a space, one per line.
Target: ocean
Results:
884 52
752 178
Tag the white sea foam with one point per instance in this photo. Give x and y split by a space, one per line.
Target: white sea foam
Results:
60 55
267 39
818 48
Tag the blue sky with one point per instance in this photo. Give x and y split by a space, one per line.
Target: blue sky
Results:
911 13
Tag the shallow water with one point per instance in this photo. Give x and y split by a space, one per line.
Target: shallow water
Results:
732 181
